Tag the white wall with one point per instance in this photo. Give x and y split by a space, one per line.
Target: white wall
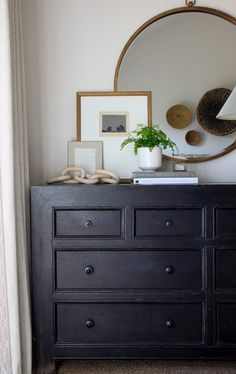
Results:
74 45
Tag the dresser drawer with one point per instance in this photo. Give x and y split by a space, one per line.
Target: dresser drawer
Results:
129 322
88 223
225 269
169 222
225 222
226 323
129 269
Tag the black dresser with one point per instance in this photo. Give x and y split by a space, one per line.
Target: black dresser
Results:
133 272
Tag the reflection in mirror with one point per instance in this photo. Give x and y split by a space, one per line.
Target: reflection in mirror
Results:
179 58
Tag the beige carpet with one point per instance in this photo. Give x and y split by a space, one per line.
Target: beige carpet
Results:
147 367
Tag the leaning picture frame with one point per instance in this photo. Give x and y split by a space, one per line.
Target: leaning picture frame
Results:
87 155
109 117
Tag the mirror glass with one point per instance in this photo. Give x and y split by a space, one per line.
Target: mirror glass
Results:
179 58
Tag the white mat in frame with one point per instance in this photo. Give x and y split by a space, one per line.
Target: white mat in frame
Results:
89 107
87 155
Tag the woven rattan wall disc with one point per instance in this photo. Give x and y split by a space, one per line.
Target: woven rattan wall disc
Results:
208 108
179 116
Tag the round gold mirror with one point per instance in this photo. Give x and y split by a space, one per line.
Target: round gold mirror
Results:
180 55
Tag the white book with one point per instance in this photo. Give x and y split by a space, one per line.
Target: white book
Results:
180 180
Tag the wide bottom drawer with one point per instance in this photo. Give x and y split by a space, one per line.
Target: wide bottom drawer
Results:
226 323
129 322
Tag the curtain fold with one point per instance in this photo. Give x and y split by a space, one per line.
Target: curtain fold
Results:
15 328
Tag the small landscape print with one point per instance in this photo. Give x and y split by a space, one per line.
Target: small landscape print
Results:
114 123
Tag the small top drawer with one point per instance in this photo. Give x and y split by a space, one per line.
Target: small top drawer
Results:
225 222
88 223
169 222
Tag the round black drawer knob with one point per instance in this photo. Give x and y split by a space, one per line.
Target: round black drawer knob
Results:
89 270
169 223
89 323
170 269
88 224
170 324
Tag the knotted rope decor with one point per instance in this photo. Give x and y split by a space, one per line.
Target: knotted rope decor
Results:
75 175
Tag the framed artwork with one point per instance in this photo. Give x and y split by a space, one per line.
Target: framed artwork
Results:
87 155
109 117
113 123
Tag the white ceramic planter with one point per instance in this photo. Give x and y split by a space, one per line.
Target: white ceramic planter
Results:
149 160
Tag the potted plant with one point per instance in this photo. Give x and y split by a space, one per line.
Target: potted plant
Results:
148 144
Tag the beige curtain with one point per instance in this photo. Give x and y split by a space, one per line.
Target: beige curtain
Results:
15 330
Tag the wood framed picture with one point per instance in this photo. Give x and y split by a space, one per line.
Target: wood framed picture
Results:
109 117
88 155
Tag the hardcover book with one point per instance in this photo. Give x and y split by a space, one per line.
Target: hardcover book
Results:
163 174
171 180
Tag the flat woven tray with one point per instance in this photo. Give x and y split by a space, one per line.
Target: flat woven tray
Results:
179 116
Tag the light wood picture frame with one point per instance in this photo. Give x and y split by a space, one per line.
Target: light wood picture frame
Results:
137 106
88 155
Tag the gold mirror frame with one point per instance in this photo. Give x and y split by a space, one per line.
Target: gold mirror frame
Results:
196 9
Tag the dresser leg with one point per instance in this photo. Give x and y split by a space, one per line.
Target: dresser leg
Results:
46 368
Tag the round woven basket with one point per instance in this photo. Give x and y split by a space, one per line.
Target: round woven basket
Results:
179 116
193 137
208 108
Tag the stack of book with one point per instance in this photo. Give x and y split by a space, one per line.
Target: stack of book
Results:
164 177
